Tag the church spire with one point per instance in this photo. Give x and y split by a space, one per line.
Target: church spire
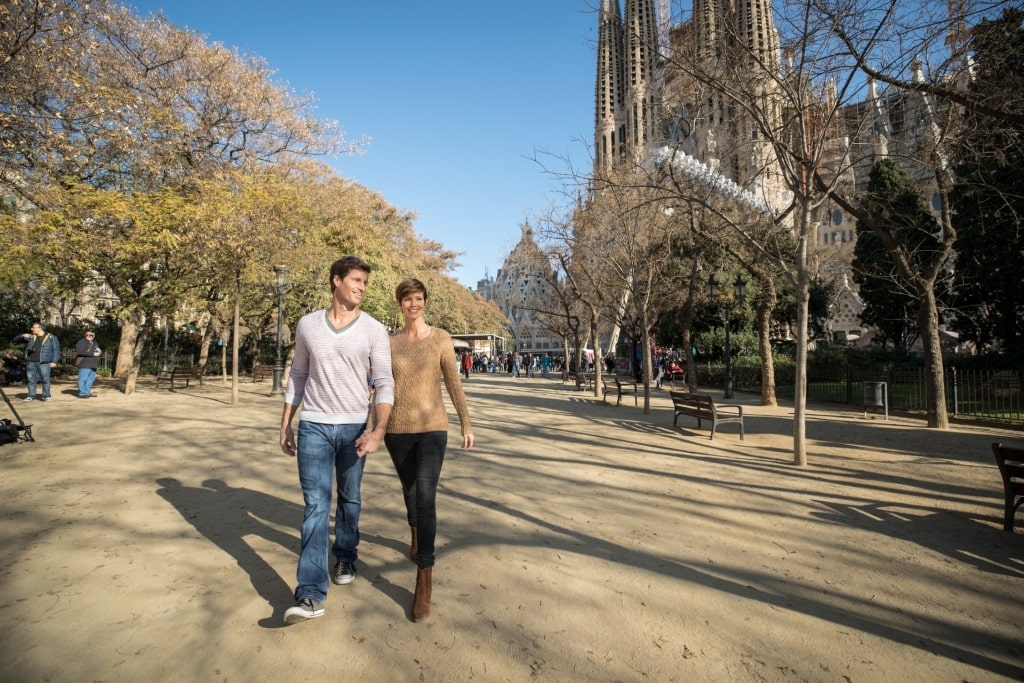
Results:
627 101
641 48
609 124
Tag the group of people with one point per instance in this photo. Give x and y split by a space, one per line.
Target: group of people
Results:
515 364
359 388
42 353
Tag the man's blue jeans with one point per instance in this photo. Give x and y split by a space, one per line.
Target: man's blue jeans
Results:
86 376
38 372
322 450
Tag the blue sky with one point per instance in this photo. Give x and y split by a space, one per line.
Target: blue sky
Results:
457 96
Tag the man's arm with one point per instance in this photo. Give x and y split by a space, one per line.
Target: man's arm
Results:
287 436
384 387
294 391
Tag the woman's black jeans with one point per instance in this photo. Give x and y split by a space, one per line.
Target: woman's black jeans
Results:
418 459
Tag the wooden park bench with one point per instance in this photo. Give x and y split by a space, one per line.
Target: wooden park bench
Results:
584 380
702 407
620 386
262 370
1011 467
181 374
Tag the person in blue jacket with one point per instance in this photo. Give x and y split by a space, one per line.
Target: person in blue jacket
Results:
42 352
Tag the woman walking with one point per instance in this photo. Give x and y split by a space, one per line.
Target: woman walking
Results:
417 434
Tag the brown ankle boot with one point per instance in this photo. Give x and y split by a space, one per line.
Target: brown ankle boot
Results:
413 547
421 601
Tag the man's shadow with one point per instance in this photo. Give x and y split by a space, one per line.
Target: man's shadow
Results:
226 515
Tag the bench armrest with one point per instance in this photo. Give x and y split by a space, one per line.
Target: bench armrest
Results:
730 406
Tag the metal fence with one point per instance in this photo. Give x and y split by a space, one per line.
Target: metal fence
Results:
155 361
108 359
989 395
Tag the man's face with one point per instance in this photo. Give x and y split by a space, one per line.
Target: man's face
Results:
349 289
37 330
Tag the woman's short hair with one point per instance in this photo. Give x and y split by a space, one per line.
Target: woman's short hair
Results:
343 266
409 286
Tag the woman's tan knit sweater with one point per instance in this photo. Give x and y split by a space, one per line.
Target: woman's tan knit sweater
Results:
418 367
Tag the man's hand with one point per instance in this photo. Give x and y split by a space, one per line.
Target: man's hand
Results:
288 440
467 441
368 442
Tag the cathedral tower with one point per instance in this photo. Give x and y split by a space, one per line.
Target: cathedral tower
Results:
641 52
626 92
610 117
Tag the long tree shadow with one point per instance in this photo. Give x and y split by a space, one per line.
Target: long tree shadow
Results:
952 534
226 515
742 583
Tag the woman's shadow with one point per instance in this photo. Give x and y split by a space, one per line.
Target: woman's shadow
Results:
226 515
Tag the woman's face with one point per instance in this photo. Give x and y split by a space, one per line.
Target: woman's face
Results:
413 305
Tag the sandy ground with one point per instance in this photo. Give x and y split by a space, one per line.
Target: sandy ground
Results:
153 537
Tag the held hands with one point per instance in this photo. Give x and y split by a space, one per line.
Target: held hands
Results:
368 442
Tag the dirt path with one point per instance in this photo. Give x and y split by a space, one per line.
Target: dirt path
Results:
153 537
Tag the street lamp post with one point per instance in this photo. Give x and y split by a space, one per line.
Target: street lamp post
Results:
281 277
739 293
165 367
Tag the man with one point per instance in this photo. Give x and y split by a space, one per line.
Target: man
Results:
42 352
87 358
338 350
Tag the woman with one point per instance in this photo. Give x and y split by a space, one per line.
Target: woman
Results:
417 434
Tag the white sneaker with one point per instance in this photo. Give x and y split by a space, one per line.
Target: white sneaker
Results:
304 610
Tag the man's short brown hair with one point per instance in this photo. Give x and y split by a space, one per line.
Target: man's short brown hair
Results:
343 266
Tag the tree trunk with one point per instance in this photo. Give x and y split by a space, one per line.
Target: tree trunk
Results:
689 311
234 342
803 298
648 364
613 339
934 369
224 363
204 345
765 308
764 347
598 358
129 351
126 346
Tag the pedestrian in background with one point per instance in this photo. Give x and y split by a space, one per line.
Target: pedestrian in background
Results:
42 352
87 358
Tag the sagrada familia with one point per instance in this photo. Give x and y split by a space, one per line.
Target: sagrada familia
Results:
647 109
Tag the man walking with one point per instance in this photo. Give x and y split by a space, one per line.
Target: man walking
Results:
339 352
42 352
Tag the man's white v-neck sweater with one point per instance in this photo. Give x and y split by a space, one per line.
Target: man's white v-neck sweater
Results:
332 369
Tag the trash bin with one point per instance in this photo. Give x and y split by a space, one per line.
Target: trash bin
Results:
875 397
874 394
